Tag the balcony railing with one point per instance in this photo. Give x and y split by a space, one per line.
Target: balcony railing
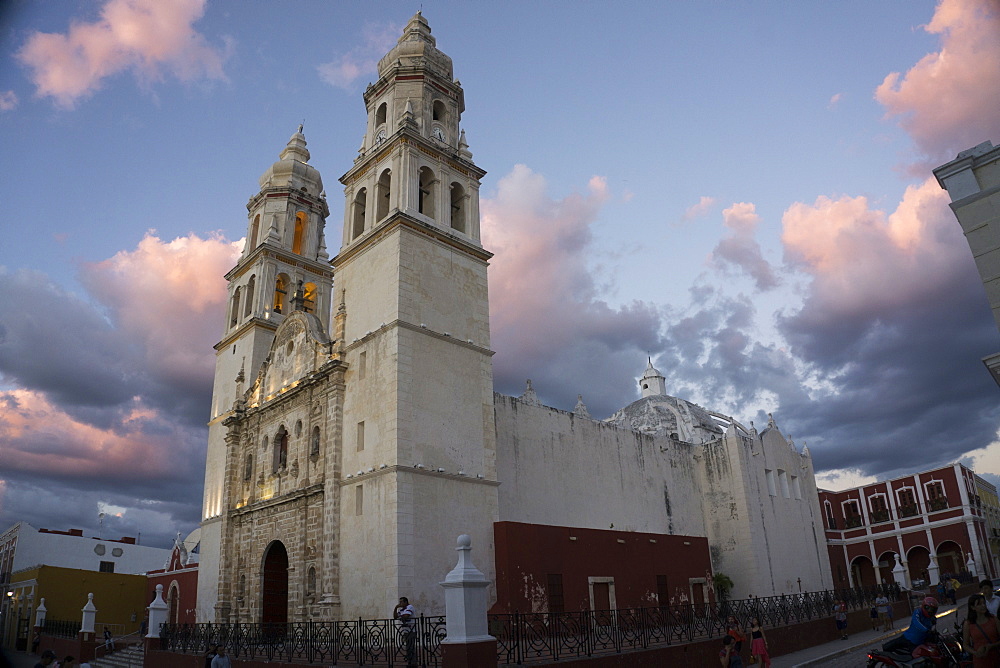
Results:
852 522
940 503
909 511
879 516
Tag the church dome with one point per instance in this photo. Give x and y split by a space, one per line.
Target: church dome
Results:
417 48
663 415
292 169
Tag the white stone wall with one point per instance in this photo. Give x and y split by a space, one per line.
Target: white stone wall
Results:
48 549
560 469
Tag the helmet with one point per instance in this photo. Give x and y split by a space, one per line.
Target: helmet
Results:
930 605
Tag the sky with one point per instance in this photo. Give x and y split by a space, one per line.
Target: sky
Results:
741 191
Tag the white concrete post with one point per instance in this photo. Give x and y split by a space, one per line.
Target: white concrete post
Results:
89 615
40 614
158 611
970 566
465 599
899 574
933 572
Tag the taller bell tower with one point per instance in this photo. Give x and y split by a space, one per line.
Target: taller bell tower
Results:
284 261
411 295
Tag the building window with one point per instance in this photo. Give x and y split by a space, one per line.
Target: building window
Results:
796 488
254 230
280 450
383 191
359 500
248 468
314 445
852 515
362 365
880 511
361 436
107 567
425 192
772 487
457 207
783 480
311 581
235 311
936 500
309 297
248 308
280 291
830 519
907 502
557 602
300 233
360 204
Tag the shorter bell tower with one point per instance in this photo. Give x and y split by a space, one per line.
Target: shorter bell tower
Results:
284 259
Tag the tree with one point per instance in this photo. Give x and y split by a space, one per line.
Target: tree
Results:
723 585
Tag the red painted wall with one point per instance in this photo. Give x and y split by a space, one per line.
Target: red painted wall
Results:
527 553
187 589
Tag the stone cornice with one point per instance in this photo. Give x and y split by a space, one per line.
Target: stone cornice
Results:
288 497
314 203
287 393
423 330
399 219
353 478
267 250
255 321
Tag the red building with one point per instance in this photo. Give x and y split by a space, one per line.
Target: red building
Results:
543 568
180 586
933 521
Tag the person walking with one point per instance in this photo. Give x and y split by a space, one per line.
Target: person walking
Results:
981 633
758 644
882 608
840 616
992 601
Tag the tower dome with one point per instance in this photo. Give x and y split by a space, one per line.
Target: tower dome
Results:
417 47
652 382
293 170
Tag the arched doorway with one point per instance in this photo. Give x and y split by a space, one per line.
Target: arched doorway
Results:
863 572
173 597
949 558
274 585
918 559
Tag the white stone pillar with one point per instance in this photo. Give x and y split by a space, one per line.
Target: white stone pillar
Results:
465 598
899 574
970 565
40 614
933 572
89 615
158 611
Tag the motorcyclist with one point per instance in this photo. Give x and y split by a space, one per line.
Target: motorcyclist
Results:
923 621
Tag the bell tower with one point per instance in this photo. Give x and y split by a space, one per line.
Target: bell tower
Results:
419 437
284 264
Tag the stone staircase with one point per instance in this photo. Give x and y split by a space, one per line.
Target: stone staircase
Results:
130 657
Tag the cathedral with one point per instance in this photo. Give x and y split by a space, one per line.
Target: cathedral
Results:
355 433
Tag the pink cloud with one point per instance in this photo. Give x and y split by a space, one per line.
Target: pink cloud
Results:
8 100
698 210
142 35
36 435
947 102
863 260
343 71
170 296
740 249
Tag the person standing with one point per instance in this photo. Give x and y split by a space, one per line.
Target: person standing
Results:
981 633
210 654
734 629
221 660
882 607
840 616
109 641
726 654
404 612
992 601
758 644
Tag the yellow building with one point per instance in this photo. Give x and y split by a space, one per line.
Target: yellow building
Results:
120 600
989 504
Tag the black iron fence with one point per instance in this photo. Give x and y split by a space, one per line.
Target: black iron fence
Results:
521 637
61 628
375 642
538 637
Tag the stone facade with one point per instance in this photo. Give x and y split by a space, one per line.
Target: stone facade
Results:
355 432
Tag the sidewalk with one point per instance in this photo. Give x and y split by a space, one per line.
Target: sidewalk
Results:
859 643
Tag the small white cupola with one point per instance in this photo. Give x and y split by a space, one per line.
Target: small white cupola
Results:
652 382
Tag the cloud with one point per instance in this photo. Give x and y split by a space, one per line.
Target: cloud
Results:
834 101
947 101
698 210
8 100
146 36
547 318
891 328
344 70
108 397
741 250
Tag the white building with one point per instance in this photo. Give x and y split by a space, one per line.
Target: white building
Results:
23 546
355 432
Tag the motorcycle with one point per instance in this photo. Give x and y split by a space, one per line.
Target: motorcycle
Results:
941 650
